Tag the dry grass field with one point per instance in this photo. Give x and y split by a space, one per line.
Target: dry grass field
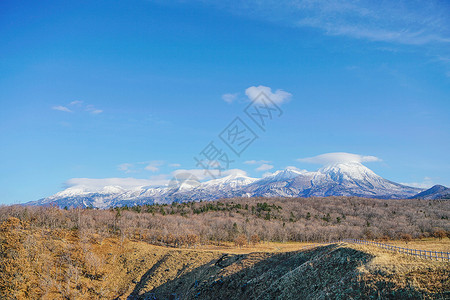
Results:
432 244
272 247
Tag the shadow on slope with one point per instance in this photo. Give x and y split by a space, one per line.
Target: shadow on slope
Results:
332 271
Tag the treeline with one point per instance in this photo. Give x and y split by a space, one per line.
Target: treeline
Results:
270 219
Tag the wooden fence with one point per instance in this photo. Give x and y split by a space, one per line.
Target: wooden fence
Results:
426 254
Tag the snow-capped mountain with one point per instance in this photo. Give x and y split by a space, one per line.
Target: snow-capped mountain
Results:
339 179
351 179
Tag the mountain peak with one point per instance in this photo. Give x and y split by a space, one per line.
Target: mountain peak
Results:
348 170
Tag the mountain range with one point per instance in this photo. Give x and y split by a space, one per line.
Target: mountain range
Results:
339 179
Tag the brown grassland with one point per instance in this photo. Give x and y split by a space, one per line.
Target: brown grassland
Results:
231 249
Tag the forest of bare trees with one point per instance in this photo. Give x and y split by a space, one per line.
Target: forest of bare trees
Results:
274 219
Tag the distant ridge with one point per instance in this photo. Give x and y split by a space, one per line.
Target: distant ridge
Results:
433 193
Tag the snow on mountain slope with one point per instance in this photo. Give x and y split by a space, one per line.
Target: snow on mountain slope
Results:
226 187
281 175
232 181
339 179
275 185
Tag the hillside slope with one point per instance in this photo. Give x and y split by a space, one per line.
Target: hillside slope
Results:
338 271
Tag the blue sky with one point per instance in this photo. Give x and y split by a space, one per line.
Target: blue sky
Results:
136 89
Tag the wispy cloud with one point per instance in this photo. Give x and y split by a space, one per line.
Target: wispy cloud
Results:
78 106
422 25
403 22
76 102
338 157
175 165
93 110
61 108
264 167
230 98
256 162
126 167
94 184
426 183
154 165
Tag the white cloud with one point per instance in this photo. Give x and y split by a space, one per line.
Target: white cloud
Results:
126 167
229 98
234 172
61 108
278 97
93 110
175 165
338 157
154 166
93 184
76 102
264 167
425 184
